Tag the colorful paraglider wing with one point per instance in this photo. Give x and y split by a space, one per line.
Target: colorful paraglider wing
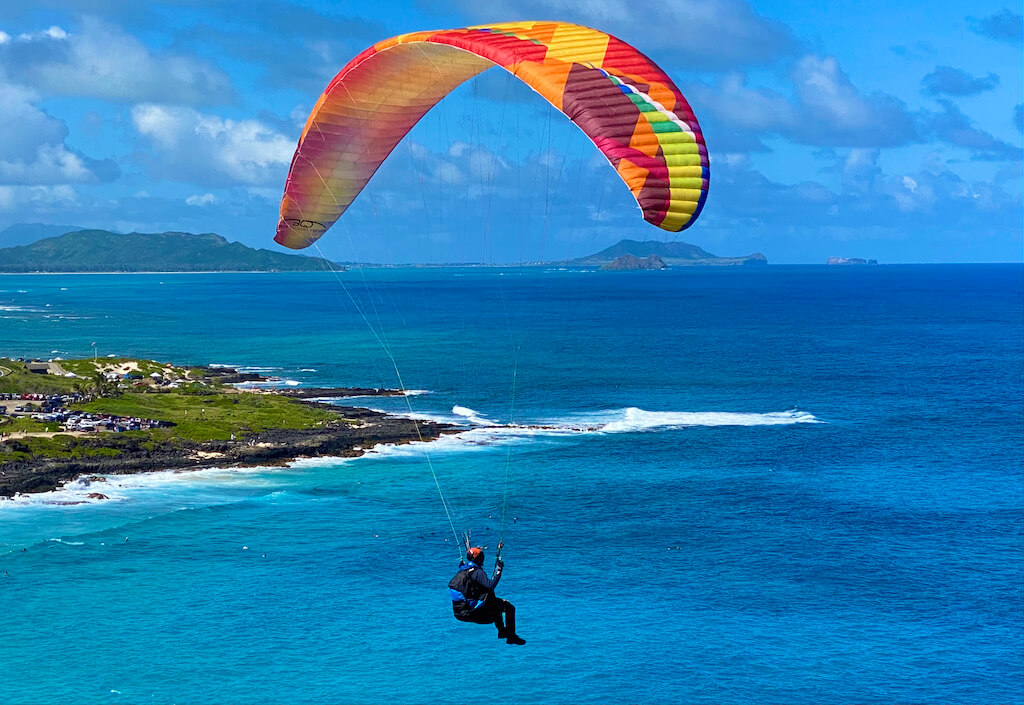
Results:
627 106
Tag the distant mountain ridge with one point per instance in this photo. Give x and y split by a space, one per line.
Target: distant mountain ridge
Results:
671 253
104 251
27 233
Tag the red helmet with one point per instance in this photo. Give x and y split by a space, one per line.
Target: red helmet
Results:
475 555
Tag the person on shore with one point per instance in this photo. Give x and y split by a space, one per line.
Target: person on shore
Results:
473 598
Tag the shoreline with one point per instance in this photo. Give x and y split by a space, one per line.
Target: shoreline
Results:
342 439
294 423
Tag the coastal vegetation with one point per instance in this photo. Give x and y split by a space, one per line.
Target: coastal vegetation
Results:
199 407
216 415
15 378
103 251
64 418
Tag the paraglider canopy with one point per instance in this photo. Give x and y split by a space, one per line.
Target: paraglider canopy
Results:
628 107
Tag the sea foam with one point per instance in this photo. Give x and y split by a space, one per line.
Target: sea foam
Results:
474 417
483 435
633 419
486 434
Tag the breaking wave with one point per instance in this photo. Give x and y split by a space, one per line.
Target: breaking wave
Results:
633 419
481 434
485 433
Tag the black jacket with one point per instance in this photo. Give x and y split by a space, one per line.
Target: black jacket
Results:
471 587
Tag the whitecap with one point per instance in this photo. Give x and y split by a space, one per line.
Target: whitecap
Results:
472 416
72 494
324 461
269 383
417 415
484 436
471 440
633 419
75 493
627 420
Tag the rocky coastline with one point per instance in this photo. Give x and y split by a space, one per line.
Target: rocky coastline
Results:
272 447
337 392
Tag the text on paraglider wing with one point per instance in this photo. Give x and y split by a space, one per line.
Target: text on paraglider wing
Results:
307 224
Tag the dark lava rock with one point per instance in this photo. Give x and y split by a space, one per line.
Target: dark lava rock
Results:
336 392
356 431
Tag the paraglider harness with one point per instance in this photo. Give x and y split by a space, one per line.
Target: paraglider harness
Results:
467 594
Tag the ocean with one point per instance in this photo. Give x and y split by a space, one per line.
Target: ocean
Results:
796 484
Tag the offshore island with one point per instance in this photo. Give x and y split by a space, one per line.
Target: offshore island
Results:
101 251
68 419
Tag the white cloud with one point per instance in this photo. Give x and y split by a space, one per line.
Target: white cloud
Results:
101 61
738 106
193 146
32 145
265 193
41 199
54 32
53 163
827 92
835 112
860 171
24 126
206 199
955 128
826 109
701 33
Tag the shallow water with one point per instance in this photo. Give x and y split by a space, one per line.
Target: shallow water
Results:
796 484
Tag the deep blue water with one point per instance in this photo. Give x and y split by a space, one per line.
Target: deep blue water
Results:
786 484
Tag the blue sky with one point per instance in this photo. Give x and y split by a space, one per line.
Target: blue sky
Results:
862 129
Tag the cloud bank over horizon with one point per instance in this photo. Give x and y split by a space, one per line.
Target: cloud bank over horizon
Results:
900 144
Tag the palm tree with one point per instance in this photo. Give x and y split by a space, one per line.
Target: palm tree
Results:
103 387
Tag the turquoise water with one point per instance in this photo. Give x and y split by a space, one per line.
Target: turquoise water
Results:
788 484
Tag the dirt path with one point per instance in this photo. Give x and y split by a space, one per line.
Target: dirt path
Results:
41 434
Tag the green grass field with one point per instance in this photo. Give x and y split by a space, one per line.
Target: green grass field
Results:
213 416
199 412
87 368
19 380
19 424
56 447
